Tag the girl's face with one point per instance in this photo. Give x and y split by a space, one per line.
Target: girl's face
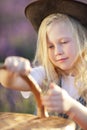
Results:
62 47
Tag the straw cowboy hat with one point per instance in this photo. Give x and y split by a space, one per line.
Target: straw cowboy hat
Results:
39 9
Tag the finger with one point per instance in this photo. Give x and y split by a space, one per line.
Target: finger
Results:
12 63
24 68
55 88
18 64
53 106
8 62
54 109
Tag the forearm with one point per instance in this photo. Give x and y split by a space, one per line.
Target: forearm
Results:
79 114
18 83
13 81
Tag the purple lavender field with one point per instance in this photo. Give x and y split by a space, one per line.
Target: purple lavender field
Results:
17 36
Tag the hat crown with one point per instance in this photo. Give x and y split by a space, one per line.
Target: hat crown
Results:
38 10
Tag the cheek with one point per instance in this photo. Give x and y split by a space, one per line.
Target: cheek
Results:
72 51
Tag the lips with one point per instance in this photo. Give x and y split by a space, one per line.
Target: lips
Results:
61 59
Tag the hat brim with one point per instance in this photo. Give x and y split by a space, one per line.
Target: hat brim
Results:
38 10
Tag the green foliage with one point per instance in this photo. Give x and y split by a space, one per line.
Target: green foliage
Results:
12 101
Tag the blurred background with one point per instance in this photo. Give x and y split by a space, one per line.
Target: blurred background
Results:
17 37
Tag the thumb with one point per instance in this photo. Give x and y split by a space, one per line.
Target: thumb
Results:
54 86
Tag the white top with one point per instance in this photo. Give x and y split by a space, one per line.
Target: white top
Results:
68 85
38 73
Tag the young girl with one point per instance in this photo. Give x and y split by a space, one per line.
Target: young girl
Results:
61 59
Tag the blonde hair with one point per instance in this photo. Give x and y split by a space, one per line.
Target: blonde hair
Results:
80 33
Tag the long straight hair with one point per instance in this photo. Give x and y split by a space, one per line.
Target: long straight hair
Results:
41 58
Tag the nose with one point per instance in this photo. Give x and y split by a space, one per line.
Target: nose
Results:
58 50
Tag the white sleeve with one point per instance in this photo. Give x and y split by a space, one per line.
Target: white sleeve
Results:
38 73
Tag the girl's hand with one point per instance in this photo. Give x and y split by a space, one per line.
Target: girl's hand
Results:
57 99
18 64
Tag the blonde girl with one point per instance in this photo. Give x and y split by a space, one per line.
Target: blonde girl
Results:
60 61
62 57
